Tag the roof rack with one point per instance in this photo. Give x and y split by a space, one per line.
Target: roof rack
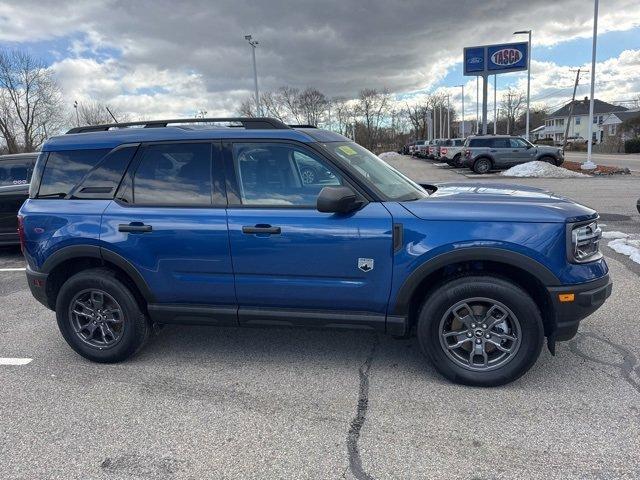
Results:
258 123
302 126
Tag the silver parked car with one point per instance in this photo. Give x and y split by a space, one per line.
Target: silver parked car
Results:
483 153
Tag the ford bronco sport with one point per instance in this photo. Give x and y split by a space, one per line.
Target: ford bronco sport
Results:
130 227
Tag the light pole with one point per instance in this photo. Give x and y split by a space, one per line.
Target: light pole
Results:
495 105
589 165
522 32
462 118
477 105
253 44
448 118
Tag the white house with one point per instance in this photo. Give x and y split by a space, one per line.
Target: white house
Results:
611 123
554 126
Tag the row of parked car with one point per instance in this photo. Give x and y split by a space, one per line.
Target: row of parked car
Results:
483 153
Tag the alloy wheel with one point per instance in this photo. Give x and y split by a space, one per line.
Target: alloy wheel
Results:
480 334
96 318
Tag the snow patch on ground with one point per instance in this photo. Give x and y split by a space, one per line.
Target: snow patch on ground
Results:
614 234
624 243
627 246
440 164
540 169
385 155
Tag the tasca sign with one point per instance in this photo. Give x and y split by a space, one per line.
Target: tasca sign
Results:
493 59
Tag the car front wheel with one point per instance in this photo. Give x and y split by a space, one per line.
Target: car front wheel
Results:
481 331
99 316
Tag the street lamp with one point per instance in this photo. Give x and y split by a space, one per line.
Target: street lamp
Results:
528 32
253 44
589 165
462 121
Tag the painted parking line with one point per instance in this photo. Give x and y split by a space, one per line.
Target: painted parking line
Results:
13 269
15 361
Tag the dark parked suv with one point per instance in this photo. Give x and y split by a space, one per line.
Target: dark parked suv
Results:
130 227
485 153
15 174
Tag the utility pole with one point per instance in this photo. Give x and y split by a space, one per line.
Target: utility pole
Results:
440 133
253 44
573 99
508 112
485 81
589 165
528 76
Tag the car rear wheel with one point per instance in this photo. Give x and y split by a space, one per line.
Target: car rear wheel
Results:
482 166
480 330
456 160
99 316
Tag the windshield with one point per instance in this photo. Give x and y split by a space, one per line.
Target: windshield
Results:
382 177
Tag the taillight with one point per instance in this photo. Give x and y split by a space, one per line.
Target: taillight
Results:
21 232
443 150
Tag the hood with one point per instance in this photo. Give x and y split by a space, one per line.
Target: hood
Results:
497 202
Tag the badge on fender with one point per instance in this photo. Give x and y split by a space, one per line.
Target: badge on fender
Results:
365 264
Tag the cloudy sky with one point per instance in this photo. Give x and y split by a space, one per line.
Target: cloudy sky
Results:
173 58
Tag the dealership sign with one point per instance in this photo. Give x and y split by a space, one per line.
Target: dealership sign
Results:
493 59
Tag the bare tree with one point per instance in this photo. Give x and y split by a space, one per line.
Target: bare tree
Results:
30 102
96 113
372 107
312 105
513 102
343 114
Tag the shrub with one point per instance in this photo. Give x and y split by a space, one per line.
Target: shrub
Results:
632 146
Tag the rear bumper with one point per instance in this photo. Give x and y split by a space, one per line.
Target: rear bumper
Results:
588 297
38 285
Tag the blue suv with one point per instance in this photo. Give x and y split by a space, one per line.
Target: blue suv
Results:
129 226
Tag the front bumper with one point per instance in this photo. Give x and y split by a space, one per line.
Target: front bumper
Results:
587 298
38 285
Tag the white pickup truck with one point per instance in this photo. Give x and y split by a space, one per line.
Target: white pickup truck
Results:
451 150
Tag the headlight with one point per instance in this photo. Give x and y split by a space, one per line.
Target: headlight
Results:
585 242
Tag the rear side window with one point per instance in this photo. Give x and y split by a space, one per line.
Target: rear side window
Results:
480 142
501 143
174 175
15 173
64 170
102 181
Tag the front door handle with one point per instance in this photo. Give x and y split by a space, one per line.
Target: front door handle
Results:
493 151
134 227
261 228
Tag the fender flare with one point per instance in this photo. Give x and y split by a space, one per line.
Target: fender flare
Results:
103 254
498 255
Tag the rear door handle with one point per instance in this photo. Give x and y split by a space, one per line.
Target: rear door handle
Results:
261 228
493 151
134 227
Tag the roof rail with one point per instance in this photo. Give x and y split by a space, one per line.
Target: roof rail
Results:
303 126
258 123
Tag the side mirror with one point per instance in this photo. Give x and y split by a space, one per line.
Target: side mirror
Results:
337 200
529 146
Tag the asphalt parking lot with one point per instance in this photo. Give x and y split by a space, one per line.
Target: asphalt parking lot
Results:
253 403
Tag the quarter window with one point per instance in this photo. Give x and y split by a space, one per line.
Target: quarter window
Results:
280 175
175 175
64 170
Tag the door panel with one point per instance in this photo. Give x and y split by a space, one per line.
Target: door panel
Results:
185 256
171 230
11 199
313 262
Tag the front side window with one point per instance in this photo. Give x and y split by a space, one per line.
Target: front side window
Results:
279 174
174 175
14 173
518 143
65 169
378 174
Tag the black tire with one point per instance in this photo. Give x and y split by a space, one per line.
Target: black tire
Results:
551 160
456 160
133 331
466 289
482 165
